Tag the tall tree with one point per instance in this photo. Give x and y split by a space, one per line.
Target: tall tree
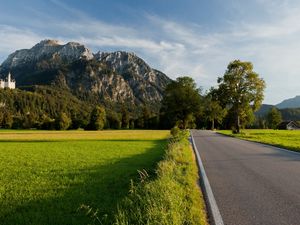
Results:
146 114
125 117
241 91
273 118
7 120
213 111
180 104
98 118
114 120
62 121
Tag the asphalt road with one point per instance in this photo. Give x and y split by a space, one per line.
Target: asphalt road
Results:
252 183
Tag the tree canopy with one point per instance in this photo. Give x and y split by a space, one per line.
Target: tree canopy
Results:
213 111
241 91
181 102
273 118
98 118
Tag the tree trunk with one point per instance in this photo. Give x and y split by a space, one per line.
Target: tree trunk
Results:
213 124
237 124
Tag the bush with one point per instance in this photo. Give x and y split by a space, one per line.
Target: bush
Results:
47 123
175 131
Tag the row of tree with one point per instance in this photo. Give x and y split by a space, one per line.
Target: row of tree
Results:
229 105
269 121
98 119
48 107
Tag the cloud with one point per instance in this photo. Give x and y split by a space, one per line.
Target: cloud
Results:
186 48
13 38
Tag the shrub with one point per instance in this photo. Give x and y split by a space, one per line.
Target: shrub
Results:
175 131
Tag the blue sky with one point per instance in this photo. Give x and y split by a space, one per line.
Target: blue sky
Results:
179 37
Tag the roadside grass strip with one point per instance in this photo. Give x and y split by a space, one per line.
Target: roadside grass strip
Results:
287 139
172 197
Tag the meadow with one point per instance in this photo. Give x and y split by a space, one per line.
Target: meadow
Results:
289 139
45 176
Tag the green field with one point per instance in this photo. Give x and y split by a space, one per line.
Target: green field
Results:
289 139
46 176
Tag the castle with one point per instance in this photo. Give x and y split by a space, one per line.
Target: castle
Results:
8 82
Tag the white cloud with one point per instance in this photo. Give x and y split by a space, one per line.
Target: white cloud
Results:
13 38
186 49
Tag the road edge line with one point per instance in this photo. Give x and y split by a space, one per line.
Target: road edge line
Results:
204 182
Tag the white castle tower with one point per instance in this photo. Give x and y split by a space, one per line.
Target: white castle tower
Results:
8 82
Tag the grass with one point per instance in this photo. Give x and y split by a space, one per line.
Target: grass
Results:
172 198
37 135
288 139
46 176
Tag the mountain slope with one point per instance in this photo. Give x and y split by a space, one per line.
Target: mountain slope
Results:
290 103
263 110
117 77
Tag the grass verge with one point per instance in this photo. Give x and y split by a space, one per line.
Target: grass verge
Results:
172 197
288 139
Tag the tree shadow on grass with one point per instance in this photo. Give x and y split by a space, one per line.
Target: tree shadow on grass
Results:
102 188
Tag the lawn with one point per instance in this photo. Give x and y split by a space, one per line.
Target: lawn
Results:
46 176
289 139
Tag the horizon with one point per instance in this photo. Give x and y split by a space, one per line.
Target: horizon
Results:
175 37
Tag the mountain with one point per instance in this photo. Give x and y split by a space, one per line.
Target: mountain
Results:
290 103
286 113
263 110
111 78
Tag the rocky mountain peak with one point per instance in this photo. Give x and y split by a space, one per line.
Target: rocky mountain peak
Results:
47 49
76 50
125 62
149 83
48 42
114 76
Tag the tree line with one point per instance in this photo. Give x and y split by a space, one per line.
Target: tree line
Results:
52 108
231 105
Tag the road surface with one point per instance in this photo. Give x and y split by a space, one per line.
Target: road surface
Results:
253 184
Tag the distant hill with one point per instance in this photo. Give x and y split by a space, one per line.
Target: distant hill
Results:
290 103
290 114
287 113
264 109
107 78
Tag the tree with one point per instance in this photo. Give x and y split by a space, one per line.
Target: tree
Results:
62 122
241 91
7 120
98 118
113 120
47 123
145 117
125 117
273 118
213 111
180 103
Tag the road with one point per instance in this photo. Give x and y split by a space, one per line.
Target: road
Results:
253 184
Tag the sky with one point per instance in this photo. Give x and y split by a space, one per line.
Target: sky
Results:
196 38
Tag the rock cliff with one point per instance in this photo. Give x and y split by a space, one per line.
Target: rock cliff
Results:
116 77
